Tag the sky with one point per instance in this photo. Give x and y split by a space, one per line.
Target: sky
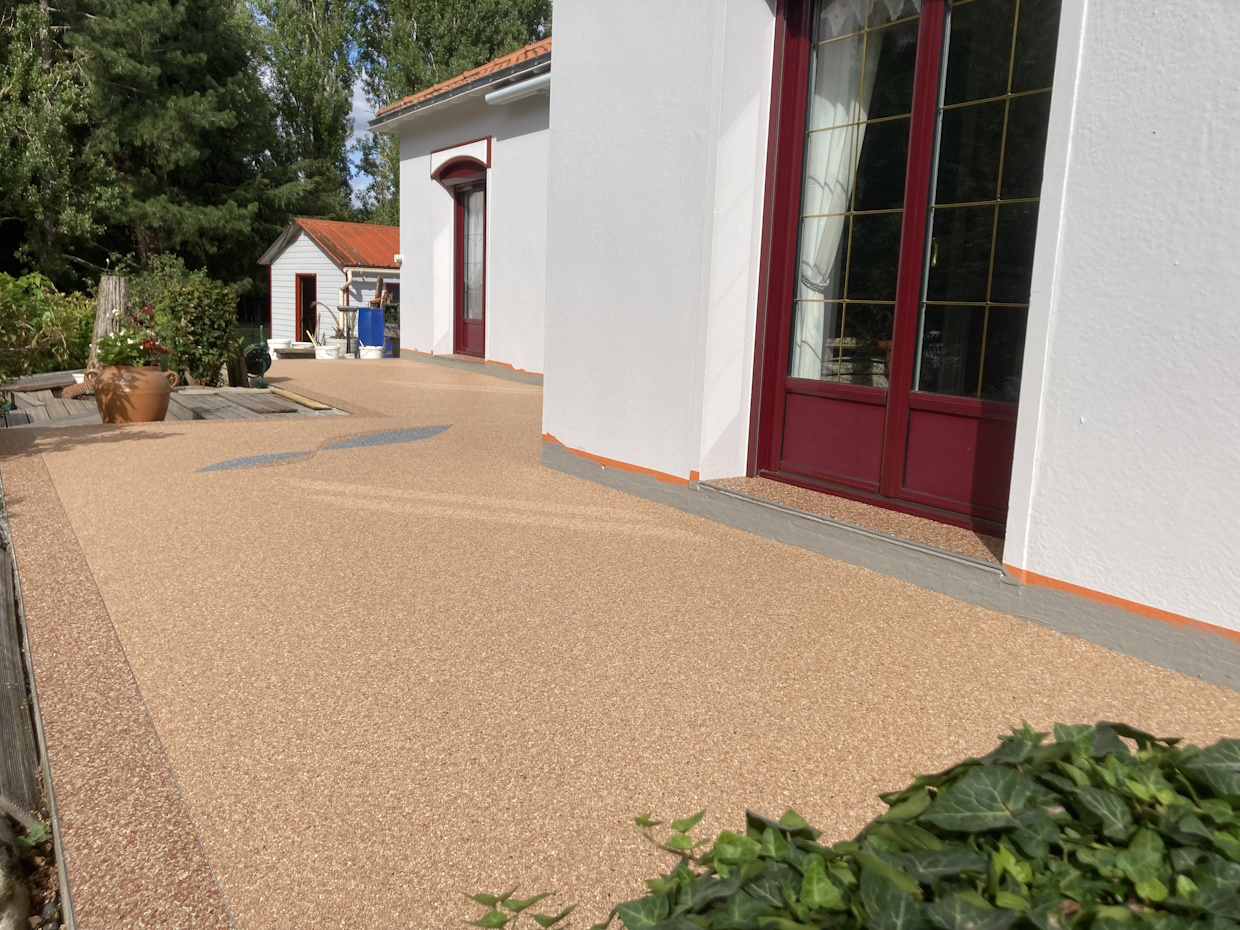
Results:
362 115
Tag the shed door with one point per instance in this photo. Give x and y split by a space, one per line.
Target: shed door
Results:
305 314
919 139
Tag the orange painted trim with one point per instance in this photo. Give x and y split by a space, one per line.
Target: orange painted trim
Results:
1133 607
620 466
694 475
513 367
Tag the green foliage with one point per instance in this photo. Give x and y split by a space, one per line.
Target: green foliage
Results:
41 329
36 836
1088 832
195 316
56 194
309 58
503 909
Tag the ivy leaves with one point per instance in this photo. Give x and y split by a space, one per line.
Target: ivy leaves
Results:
1082 833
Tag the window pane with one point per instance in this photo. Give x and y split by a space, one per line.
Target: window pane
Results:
1018 227
979 55
1037 36
840 18
950 349
874 256
475 213
830 162
835 83
814 341
865 349
1005 351
884 161
820 259
896 50
960 253
1026 146
970 140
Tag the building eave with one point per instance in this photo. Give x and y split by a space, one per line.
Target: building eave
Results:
510 75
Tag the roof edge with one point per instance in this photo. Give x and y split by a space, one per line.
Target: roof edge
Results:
399 111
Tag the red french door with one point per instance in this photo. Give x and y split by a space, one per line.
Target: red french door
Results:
905 168
470 262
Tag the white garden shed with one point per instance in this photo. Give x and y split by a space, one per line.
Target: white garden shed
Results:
316 265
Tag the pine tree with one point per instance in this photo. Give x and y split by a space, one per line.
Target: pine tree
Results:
179 116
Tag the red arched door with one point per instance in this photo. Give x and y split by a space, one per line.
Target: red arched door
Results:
907 147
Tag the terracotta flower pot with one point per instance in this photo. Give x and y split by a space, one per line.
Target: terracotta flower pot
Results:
129 394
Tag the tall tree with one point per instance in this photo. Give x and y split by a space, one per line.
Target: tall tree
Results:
53 198
408 45
310 53
180 117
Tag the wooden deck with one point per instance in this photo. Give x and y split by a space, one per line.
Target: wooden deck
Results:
44 407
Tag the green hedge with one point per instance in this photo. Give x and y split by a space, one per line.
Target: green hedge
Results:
1106 827
40 328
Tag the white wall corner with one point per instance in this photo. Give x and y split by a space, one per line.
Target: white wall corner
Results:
1044 292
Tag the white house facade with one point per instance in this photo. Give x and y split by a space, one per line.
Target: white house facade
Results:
473 208
972 261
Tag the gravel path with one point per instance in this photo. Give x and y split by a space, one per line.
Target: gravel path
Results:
386 673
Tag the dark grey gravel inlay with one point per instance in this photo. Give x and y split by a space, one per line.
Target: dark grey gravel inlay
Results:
251 460
395 437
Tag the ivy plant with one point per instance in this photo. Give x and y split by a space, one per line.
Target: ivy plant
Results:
1105 828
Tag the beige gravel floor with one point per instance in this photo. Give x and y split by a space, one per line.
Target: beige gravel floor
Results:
386 675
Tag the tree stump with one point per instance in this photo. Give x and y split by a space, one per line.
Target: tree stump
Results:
113 302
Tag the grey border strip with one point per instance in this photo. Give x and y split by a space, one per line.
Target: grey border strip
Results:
477 368
67 916
1190 651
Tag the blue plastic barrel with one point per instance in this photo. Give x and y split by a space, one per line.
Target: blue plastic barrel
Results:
370 326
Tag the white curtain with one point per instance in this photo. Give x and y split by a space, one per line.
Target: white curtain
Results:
475 216
842 74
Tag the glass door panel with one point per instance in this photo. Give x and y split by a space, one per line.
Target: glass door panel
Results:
472 264
855 161
986 180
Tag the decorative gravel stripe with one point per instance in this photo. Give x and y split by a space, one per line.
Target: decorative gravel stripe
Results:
251 461
393 438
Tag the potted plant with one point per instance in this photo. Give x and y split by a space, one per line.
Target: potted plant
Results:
337 338
131 386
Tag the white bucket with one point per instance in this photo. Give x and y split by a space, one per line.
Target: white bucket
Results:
372 352
327 352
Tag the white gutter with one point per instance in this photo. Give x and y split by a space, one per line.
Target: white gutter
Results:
535 85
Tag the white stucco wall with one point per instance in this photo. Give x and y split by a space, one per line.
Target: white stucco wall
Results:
1125 468
516 229
303 256
655 206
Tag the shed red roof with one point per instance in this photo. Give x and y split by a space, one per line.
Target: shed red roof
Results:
533 50
354 243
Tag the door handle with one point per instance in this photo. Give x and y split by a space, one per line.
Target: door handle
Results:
934 253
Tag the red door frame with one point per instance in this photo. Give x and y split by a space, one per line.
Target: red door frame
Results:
461 176
460 324
299 283
789 90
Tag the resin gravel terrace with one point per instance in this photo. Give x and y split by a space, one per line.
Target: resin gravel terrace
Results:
338 689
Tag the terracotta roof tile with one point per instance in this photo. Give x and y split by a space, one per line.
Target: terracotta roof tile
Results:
533 50
354 243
